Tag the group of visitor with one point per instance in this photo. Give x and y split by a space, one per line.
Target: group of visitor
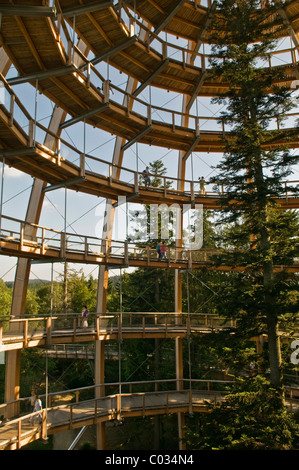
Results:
161 251
36 405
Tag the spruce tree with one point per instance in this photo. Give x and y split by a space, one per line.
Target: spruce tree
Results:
257 159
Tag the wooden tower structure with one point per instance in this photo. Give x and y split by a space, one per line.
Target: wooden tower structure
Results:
67 50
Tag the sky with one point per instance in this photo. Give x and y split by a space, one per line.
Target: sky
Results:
84 213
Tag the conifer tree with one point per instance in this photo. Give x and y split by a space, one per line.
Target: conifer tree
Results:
257 159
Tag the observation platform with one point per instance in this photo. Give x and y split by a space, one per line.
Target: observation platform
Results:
40 243
67 411
42 331
95 176
27 331
109 32
39 44
64 414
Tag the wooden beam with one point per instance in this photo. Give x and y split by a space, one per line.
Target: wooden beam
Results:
30 43
286 21
114 50
64 184
41 75
196 90
85 115
204 29
192 147
137 137
150 78
168 18
19 10
83 9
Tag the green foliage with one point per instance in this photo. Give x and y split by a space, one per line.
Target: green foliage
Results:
44 294
252 417
81 291
254 167
5 298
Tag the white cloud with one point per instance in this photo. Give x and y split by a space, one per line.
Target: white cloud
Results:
10 172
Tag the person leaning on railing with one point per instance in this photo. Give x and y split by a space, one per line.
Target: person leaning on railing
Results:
146 178
84 317
202 186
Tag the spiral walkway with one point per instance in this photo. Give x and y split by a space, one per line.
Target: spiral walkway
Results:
67 50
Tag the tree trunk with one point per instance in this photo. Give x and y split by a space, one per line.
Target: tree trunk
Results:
274 350
271 318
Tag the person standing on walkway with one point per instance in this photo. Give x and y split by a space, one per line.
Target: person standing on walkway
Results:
146 178
38 407
163 250
158 249
202 186
84 317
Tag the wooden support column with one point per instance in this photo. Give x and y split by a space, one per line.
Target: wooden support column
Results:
100 391
104 275
179 353
13 358
178 310
103 272
12 371
12 382
12 379
178 276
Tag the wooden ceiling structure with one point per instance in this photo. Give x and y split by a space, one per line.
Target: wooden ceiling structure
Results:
22 152
38 36
43 54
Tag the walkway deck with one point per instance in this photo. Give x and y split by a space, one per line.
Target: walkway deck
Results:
31 331
20 432
17 433
51 58
37 242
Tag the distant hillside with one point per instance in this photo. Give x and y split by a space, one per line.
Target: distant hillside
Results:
33 283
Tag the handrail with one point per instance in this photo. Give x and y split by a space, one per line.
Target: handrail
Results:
41 241
28 316
113 406
186 50
121 385
98 241
148 106
136 175
108 407
25 330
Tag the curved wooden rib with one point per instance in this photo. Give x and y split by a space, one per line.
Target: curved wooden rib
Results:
21 332
21 151
41 243
115 406
109 38
190 18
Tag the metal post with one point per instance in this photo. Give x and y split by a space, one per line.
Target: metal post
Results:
35 112
189 344
65 246
119 341
2 189
46 431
